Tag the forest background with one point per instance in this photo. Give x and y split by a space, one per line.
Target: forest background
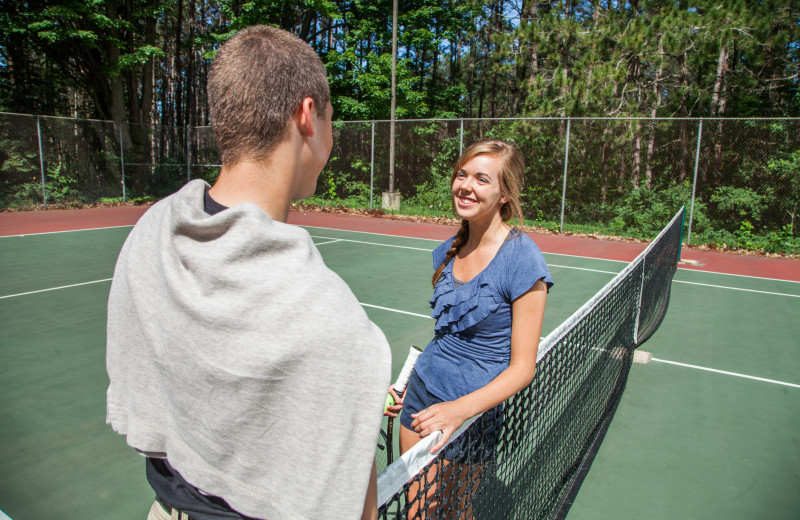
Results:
144 63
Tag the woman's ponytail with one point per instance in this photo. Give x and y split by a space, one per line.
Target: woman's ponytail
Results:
459 240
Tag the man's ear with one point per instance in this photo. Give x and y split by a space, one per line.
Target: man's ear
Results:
303 117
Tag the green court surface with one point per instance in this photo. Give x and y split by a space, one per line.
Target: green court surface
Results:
686 442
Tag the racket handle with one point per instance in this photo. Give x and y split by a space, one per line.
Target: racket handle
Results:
405 374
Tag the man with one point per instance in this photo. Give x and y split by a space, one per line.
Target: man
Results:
242 368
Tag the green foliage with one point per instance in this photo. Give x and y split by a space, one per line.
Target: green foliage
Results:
733 207
165 179
787 168
59 190
120 200
432 196
338 188
643 213
16 158
745 238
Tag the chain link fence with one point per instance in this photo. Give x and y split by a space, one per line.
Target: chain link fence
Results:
739 178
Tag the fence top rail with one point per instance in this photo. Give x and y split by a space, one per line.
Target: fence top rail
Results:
56 117
542 118
571 118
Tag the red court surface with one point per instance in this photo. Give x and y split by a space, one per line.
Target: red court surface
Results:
31 222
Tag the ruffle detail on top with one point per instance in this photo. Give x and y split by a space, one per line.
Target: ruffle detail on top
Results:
456 310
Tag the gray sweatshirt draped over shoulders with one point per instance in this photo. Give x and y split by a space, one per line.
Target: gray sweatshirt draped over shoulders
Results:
235 352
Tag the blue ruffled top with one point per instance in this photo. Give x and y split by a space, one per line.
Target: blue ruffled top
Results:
472 342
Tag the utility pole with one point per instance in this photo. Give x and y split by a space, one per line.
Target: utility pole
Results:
394 96
391 199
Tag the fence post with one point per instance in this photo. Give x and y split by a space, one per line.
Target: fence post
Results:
122 162
41 162
564 188
188 156
461 139
694 182
372 165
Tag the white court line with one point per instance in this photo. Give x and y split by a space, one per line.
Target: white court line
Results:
586 257
583 268
372 243
54 289
745 376
428 317
739 275
688 283
559 254
4 516
433 240
738 289
65 231
371 233
328 242
396 310
685 365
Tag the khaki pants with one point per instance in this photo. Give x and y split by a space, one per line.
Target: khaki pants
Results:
157 512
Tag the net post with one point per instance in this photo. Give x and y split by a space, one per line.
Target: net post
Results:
683 222
122 162
564 187
694 181
372 165
639 302
41 162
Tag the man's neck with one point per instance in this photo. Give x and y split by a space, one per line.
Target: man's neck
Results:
267 184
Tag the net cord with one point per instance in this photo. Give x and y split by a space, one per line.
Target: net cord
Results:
412 462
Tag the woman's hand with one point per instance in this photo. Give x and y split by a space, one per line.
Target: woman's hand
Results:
446 417
394 410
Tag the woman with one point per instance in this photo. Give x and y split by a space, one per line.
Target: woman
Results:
490 286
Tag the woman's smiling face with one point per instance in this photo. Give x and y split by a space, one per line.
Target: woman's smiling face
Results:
476 188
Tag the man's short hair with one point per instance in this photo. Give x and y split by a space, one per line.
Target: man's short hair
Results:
257 81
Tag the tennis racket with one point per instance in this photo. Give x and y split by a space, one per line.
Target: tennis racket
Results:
399 387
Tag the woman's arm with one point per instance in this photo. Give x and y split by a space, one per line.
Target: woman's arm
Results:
527 313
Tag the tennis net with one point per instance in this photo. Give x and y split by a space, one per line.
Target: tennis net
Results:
542 440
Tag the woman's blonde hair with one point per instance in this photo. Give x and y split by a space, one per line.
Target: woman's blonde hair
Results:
512 171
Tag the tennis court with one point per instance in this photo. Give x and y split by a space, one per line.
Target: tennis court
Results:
686 442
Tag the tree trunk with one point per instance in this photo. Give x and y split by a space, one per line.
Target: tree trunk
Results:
637 156
684 144
718 103
651 139
177 83
606 157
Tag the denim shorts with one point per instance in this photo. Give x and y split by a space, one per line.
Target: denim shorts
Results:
475 445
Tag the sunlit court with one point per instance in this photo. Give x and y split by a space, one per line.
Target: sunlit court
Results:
706 426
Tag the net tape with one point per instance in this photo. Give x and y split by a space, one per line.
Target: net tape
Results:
545 434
